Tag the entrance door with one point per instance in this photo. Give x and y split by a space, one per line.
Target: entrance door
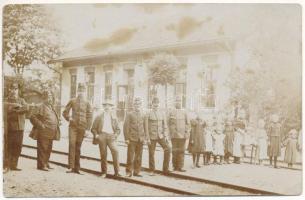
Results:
121 101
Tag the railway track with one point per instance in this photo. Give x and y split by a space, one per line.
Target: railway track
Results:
176 183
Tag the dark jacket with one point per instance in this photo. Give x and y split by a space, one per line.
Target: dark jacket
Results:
134 127
45 123
155 125
97 126
178 124
16 110
81 113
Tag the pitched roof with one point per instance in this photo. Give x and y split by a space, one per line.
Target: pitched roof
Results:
188 31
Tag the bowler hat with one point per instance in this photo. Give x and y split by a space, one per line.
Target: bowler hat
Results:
81 87
108 102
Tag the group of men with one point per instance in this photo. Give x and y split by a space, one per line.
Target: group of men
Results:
139 128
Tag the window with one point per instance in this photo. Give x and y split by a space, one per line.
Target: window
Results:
180 90
108 84
152 92
90 81
130 82
207 96
73 83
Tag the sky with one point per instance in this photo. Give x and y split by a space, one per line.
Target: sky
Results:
247 24
267 27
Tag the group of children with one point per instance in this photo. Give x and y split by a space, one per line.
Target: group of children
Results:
223 141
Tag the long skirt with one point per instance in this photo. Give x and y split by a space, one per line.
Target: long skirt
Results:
274 148
291 151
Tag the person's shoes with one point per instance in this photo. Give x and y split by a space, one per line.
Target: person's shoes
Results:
77 172
43 169
152 173
175 169
15 169
117 175
137 175
128 174
276 167
198 166
181 170
167 172
70 171
102 175
6 170
49 167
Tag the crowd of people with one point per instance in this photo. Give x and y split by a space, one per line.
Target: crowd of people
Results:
219 141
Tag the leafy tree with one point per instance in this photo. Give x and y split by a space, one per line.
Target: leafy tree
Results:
163 70
29 34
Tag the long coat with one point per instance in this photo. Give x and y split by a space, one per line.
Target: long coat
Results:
156 125
178 124
16 110
229 139
41 123
134 127
197 138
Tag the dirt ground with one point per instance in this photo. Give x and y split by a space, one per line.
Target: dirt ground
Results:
31 182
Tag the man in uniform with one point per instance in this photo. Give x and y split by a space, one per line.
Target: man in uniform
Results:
16 110
179 129
105 130
135 137
80 123
156 127
45 129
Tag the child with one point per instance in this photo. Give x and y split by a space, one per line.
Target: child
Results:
274 134
208 142
261 141
218 138
197 140
237 142
228 141
291 147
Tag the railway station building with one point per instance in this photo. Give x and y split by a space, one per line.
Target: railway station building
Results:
120 72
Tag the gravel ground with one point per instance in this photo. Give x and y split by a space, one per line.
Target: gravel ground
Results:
56 183
185 185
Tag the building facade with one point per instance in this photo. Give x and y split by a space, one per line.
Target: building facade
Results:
122 75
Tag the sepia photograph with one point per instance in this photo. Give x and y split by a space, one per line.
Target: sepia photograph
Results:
151 99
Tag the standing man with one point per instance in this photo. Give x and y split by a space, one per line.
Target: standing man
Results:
45 129
179 129
135 137
106 130
155 126
16 109
80 123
